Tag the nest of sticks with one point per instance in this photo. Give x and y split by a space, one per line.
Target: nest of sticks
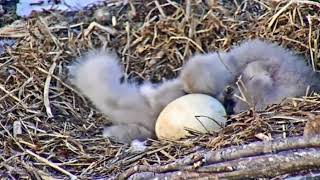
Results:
50 131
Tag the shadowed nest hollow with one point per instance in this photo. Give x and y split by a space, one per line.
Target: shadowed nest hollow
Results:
48 130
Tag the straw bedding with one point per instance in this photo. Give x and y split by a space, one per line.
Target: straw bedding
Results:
48 130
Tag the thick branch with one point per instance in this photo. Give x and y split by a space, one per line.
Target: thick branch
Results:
179 164
251 167
259 148
211 158
267 165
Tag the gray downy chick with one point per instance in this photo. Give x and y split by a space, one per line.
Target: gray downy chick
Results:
211 72
133 109
208 73
262 65
271 80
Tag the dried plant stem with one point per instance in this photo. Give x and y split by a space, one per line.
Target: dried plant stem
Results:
73 177
275 17
46 100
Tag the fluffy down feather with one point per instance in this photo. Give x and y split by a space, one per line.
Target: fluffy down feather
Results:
133 109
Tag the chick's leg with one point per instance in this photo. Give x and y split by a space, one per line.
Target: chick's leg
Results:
126 133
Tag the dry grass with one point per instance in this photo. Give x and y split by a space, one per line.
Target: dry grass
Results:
61 131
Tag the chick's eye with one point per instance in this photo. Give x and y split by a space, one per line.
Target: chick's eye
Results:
229 90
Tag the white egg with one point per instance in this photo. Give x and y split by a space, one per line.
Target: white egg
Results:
198 112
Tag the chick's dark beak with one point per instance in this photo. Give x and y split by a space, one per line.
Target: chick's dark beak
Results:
228 100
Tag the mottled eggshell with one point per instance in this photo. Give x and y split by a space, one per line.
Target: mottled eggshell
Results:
199 112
